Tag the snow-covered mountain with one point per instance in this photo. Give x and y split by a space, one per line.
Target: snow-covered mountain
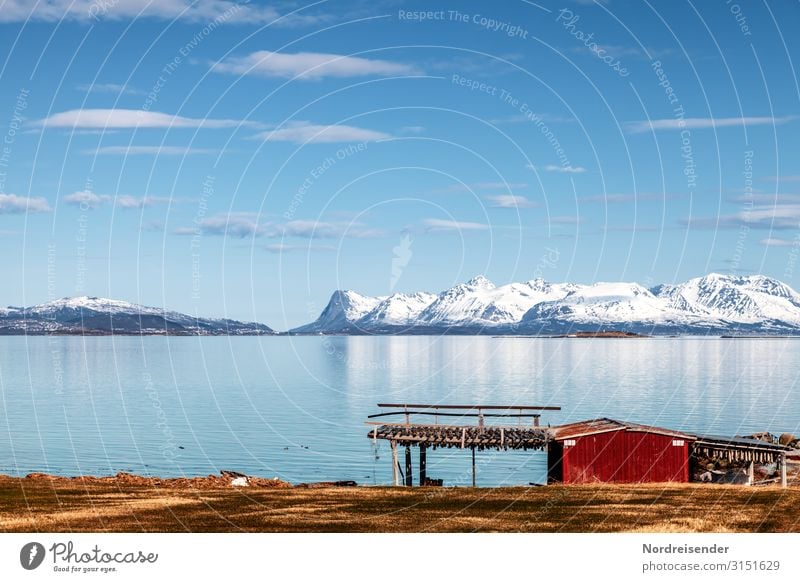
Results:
714 304
98 316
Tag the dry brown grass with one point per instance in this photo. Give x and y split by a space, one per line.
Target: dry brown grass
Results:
72 506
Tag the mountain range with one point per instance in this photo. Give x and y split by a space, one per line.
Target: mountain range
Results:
97 316
711 305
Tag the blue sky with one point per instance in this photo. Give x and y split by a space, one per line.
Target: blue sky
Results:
248 159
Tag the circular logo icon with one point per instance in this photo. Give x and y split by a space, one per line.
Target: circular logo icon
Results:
31 555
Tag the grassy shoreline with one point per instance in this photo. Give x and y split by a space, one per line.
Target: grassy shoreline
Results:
105 505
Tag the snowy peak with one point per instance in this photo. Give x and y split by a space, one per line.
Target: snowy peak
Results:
714 303
344 308
480 282
742 299
397 309
96 304
99 316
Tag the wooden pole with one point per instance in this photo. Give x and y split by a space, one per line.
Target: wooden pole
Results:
783 470
409 476
395 462
750 473
473 466
423 465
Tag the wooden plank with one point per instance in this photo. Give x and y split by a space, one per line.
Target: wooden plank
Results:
423 464
469 406
395 476
409 476
473 467
783 470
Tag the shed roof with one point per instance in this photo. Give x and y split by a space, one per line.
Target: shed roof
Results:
601 425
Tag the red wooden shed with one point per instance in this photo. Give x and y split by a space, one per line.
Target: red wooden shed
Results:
612 451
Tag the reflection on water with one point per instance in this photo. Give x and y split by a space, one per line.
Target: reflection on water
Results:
294 407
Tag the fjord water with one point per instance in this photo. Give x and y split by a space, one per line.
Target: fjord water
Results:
295 407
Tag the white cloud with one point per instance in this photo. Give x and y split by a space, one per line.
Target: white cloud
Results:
304 132
151 150
114 88
565 169
779 242
13 204
702 123
440 225
773 217
211 12
89 199
622 198
247 224
284 248
129 119
485 186
309 66
510 201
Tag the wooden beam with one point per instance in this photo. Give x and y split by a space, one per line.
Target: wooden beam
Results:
395 464
409 468
469 407
783 470
423 465
473 467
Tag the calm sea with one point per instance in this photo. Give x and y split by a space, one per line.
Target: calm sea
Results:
295 407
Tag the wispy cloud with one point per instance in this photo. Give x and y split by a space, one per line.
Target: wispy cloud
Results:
566 219
632 228
279 248
622 198
151 150
301 132
208 11
440 225
510 201
774 217
779 242
247 224
130 119
764 198
113 88
13 204
310 66
703 123
483 186
565 169
88 199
